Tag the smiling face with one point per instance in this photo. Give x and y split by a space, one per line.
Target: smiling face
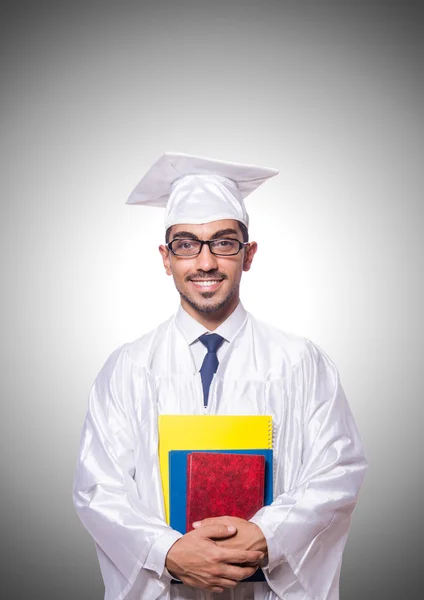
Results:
208 284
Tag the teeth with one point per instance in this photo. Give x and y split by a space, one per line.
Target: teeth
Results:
205 283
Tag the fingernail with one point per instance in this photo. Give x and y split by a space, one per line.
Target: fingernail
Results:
231 528
196 524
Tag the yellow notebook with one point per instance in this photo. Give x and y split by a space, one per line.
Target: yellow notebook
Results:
209 432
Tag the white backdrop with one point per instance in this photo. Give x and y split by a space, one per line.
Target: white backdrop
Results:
92 93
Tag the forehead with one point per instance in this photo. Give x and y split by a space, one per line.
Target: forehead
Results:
206 230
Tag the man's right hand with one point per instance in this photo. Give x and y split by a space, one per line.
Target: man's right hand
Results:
196 560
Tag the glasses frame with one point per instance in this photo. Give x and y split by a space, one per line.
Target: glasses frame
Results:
207 243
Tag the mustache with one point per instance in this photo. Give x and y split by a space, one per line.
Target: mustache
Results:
212 274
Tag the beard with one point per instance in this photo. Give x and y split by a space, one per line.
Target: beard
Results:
208 308
212 307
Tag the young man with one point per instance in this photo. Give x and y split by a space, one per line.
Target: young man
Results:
318 459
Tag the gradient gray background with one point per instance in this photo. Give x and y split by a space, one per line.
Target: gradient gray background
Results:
91 94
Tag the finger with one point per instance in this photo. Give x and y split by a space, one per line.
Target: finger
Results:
217 531
241 557
237 573
223 584
208 521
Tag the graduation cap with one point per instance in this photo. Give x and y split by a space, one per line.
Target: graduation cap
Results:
195 190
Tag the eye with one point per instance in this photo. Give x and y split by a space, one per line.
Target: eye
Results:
184 244
225 244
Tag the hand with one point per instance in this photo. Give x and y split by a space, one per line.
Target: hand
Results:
248 537
198 561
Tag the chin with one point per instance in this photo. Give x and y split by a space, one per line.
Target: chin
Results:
209 307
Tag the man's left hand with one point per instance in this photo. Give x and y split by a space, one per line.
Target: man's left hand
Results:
248 537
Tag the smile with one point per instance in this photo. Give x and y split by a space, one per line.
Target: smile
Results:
207 283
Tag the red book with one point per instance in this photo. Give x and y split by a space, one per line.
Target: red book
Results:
224 484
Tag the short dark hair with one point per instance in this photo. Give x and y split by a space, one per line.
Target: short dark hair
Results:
242 226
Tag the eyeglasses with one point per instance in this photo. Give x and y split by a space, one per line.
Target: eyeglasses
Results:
189 247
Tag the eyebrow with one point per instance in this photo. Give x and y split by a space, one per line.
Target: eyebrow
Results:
184 234
215 236
223 232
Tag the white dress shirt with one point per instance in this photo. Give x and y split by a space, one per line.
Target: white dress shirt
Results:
192 330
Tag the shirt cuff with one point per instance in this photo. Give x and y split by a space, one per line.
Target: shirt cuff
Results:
155 560
275 555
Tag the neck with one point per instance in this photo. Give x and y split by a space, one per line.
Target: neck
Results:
211 320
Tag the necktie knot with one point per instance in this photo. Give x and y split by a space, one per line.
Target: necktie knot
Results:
212 341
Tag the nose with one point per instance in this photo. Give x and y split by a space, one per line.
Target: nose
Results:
205 260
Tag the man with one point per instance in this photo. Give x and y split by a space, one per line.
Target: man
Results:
318 459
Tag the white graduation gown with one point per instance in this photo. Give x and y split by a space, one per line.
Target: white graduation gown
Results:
319 462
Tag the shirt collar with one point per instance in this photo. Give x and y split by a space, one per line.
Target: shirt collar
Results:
192 329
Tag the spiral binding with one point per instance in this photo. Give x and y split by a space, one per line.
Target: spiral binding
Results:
270 432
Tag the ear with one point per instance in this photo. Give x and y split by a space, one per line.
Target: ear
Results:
249 253
164 252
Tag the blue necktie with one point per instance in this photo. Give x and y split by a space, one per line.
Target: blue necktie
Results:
212 341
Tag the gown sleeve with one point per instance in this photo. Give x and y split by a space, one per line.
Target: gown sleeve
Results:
306 527
117 490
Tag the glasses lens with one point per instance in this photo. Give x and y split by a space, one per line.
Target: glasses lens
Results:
185 247
225 247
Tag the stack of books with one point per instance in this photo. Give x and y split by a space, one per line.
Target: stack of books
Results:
215 465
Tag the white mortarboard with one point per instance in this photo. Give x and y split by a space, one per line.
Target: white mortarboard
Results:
196 190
